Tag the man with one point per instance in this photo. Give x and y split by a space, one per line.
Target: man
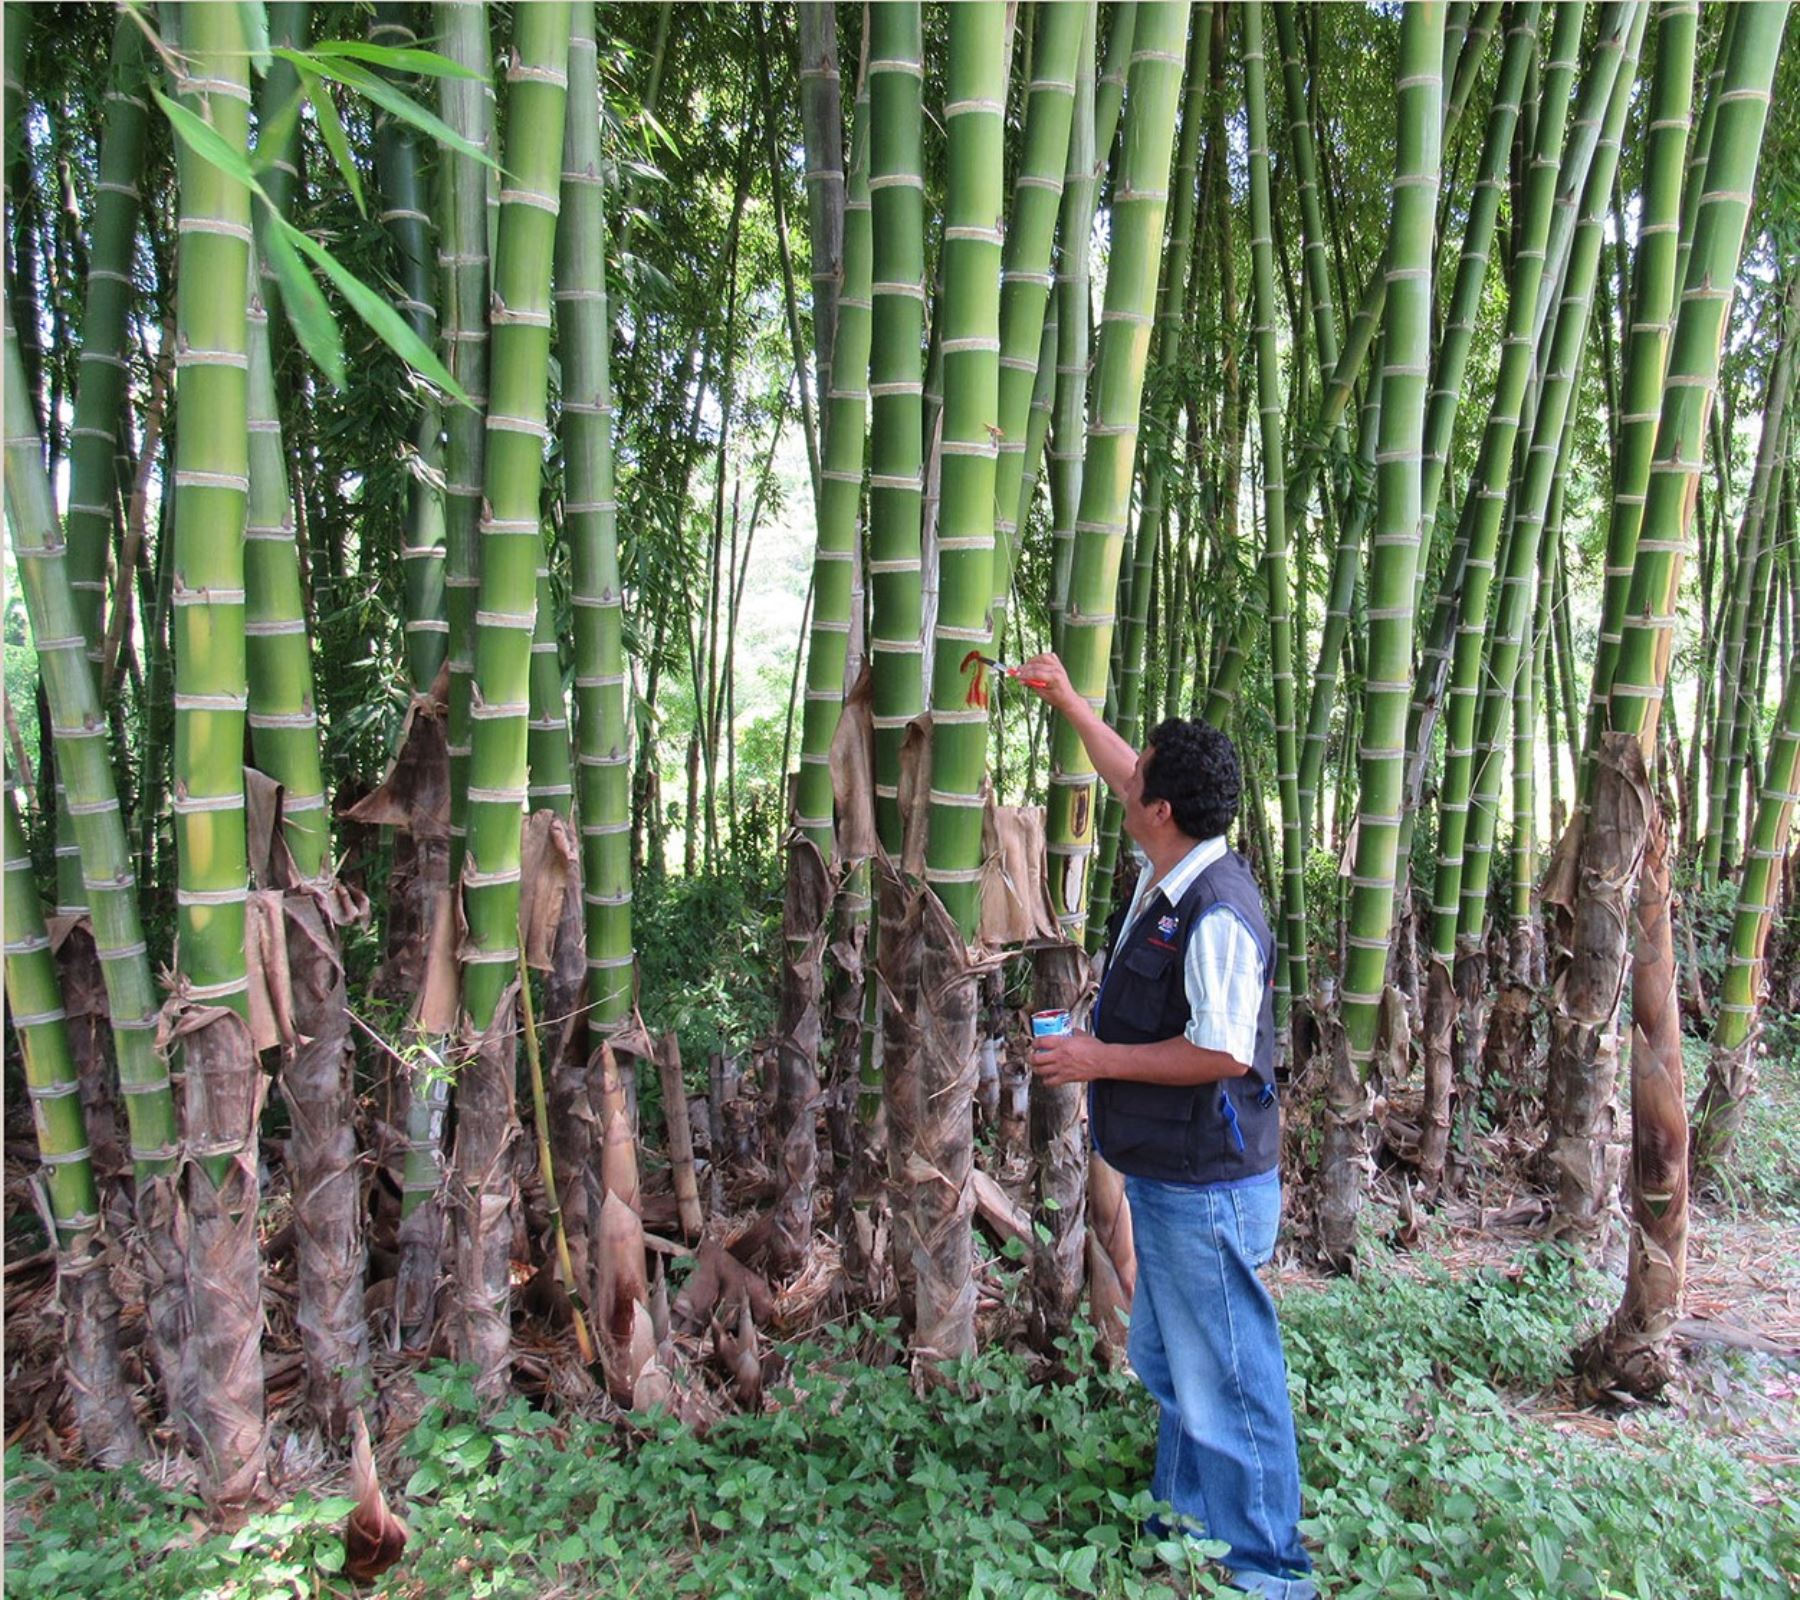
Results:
1180 1065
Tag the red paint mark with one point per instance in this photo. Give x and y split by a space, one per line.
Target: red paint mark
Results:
978 685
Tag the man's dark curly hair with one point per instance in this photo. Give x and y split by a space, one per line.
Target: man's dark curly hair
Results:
1194 767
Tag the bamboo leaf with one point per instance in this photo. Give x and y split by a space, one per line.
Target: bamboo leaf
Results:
390 99
206 142
386 323
331 127
649 119
394 58
304 302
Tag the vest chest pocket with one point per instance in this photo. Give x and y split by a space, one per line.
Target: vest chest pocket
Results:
1139 995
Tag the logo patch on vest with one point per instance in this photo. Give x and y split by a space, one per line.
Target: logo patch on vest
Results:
1166 926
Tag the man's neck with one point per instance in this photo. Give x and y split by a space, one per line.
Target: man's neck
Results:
1167 854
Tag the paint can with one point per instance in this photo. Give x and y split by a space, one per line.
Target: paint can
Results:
1047 1024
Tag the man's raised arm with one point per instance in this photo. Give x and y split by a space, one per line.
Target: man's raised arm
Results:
1113 758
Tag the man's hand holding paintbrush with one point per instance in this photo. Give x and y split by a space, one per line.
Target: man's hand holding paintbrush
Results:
1048 679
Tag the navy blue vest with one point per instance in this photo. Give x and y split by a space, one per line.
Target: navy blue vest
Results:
1184 1133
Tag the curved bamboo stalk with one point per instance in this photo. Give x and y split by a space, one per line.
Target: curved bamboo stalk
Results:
1635 696
1026 279
1154 454
1309 456
93 438
1586 983
1506 631
84 756
1073 314
1653 286
1731 1074
1471 273
1741 705
835 559
1140 201
822 124
34 1002
1483 508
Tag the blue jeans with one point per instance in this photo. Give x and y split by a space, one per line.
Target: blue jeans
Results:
1205 1343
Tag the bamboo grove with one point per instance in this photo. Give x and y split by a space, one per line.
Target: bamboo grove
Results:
502 498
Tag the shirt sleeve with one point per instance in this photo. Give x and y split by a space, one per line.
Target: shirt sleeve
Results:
1224 985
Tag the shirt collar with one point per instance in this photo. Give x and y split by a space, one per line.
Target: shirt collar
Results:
1176 882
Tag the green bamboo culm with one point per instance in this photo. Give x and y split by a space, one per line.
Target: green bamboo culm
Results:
1155 448
1646 352
284 724
97 1386
1471 274
467 105
93 438
211 491
1026 279
511 540
278 146
1274 462
590 512
401 176
1110 86
83 753
1505 655
1731 1074
1311 453
549 764
1741 685
1647 637
1072 310
1484 504
221 1380
34 1006
1140 202
974 115
1394 543
896 392
846 414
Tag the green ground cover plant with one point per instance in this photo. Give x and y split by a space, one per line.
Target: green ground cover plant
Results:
1432 1468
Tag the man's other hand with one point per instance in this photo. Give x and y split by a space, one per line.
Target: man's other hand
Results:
1064 1058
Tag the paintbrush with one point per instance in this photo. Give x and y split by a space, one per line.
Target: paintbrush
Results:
1000 666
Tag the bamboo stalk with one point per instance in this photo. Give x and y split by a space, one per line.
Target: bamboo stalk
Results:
1139 205
896 390
1274 464
97 1386
590 512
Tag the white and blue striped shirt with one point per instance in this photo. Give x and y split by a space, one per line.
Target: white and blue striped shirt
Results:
1224 969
